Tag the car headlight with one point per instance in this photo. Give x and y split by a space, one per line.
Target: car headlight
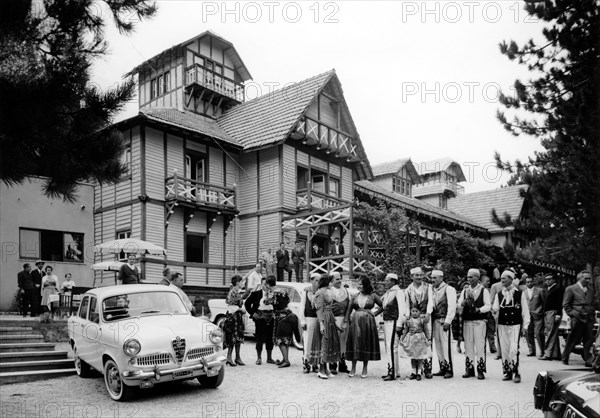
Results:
216 336
132 347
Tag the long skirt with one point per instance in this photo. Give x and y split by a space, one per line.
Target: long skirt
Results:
325 346
233 327
363 338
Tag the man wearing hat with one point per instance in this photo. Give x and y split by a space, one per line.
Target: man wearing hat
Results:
418 294
36 276
475 303
395 312
513 319
341 300
552 317
444 309
308 318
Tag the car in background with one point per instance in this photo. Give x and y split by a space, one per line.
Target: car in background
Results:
571 393
141 335
218 308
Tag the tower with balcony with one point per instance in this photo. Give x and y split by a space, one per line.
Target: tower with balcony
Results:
439 181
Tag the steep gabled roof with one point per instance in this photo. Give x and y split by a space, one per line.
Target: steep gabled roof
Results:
441 164
392 167
229 49
187 120
416 205
478 206
268 119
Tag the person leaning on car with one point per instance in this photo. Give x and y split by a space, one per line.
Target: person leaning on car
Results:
177 284
552 317
579 302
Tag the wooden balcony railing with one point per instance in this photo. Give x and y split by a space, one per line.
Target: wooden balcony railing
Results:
310 199
203 194
214 81
330 139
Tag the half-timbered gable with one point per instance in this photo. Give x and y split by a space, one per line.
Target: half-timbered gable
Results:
398 176
439 181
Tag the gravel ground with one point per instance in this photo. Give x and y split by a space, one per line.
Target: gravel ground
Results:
266 391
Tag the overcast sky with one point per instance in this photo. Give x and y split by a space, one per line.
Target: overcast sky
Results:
421 79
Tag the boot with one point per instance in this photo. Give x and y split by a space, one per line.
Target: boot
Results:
469 369
481 369
389 371
269 357
427 368
506 370
442 371
333 368
342 367
305 367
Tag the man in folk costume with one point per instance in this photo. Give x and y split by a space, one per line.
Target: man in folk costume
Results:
418 294
513 320
444 309
395 312
341 300
475 303
308 319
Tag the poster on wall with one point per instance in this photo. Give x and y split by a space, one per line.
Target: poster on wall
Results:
73 247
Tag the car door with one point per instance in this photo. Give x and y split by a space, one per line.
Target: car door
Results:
93 335
79 323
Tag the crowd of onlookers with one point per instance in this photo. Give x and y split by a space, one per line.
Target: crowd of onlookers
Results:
36 286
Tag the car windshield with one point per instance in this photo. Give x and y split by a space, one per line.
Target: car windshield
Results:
130 305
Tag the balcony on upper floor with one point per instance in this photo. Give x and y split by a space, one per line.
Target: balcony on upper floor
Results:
200 195
437 187
207 84
332 141
311 199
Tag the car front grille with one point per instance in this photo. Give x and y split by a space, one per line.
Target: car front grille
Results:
179 348
154 359
199 353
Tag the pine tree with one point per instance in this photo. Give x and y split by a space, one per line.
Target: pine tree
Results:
52 122
561 107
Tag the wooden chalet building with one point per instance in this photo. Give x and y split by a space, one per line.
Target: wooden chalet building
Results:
217 180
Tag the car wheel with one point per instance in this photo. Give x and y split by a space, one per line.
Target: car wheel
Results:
299 344
220 321
212 382
115 386
81 367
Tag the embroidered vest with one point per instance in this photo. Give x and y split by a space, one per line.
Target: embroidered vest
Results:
441 309
421 306
390 310
309 311
510 315
469 313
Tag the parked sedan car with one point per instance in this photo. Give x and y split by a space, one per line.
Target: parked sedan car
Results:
141 335
218 308
570 393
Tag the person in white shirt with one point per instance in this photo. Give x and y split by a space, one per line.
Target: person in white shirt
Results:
308 319
395 313
341 300
474 302
444 309
68 284
418 294
513 319
254 278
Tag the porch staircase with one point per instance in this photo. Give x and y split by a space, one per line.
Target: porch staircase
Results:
24 356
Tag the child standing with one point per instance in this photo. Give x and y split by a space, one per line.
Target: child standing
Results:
415 343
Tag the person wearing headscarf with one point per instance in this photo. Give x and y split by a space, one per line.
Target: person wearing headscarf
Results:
474 303
395 313
513 319
419 295
444 309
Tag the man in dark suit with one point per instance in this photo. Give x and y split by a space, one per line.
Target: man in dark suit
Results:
337 249
26 289
535 302
578 302
259 306
298 257
552 317
36 277
283 263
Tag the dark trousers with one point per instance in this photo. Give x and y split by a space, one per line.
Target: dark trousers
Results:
490 332
280 273
535 332
27 302
580 330
299 269
552 346
264 335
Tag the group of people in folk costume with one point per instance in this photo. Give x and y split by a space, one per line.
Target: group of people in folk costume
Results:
340 327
